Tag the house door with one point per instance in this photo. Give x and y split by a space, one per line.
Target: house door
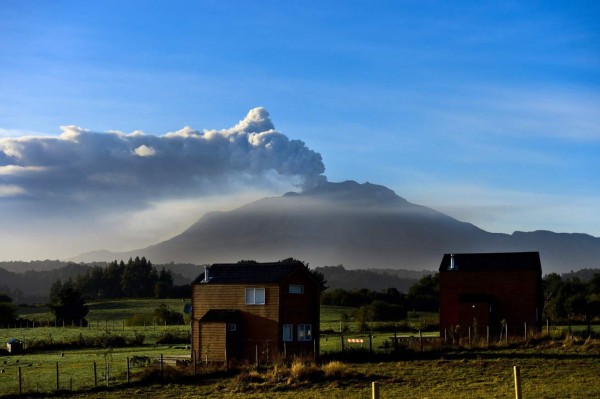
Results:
476 316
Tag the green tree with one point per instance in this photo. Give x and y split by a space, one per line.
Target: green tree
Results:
164 285
67 303
428 288
8 310
138 278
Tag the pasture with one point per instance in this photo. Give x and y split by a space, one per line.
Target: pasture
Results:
552 367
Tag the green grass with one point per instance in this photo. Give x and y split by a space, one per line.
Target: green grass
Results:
75 367
555 371
107 311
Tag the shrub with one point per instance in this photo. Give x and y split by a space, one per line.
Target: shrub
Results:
301 371
140 319
172 337
140 361
335 369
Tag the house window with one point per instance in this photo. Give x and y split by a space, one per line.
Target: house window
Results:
296 289
304 332
232 327
255 296
288 331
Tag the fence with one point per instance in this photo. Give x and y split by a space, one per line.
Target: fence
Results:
43 373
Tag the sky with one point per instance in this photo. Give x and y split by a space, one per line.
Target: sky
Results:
122 123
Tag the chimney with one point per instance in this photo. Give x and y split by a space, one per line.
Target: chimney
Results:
206 277
451 262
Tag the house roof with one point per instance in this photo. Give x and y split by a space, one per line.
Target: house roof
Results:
220 315
249 272
502 261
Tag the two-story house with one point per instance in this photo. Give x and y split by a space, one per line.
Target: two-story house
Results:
246 309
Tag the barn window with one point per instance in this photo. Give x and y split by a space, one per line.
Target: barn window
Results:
304 332
255 296
288 332
232 327
296 289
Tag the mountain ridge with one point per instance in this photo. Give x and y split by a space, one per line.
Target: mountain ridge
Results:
357 225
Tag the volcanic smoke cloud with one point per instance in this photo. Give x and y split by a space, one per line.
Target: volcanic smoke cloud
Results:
86 168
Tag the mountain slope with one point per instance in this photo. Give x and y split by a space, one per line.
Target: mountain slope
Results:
359 226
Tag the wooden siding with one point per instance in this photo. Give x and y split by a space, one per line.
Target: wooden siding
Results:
258 322
260 327
299 309
214 334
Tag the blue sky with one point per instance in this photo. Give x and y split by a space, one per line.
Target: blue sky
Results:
488 111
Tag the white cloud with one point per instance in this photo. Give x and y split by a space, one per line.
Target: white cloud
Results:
15 170
144 151
7 190
112 169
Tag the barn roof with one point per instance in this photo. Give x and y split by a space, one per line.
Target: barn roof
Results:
500 261
249 272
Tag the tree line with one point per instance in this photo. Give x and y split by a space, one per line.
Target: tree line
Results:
569 299
137 278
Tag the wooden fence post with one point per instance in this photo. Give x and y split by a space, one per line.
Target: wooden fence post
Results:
161 366
517 372
525 331
107 374
95 376
375 390
128 375
370 341
256 356
487 336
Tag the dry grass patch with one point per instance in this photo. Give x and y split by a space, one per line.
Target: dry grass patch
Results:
336 369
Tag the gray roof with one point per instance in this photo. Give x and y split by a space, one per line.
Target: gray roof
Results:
249 272
499 261
220 315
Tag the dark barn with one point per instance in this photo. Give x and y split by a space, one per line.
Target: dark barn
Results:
482 290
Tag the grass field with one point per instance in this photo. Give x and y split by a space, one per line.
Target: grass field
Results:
552 369
557 371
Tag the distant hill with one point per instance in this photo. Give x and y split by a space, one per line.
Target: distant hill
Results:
358 226
372 279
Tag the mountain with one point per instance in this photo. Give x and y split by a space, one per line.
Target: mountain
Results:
357 225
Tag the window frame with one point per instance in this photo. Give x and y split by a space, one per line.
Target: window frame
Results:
300 286
302 331
290 337
253 299
231 327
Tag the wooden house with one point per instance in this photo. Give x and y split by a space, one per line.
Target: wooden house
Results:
481 290
252 310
